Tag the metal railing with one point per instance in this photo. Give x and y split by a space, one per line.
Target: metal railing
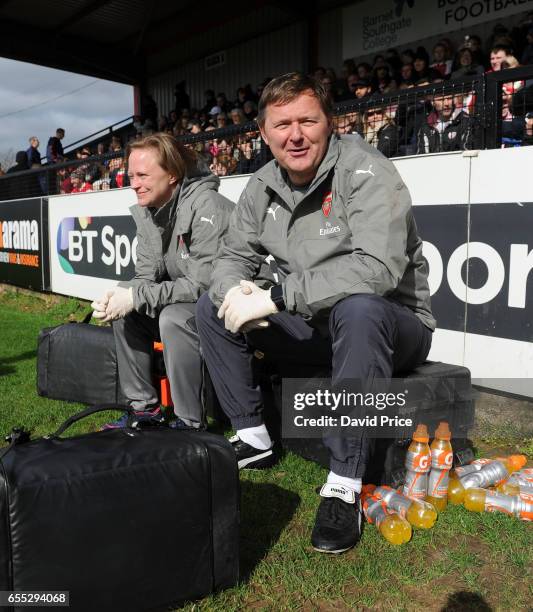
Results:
489 111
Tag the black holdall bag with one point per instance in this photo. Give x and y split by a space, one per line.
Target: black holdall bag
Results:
77 362
131 519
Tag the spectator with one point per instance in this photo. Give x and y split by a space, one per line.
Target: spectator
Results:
498 55
466 65
421 66
407 56
250 110
181 97
149 110
380 131
473 42
528 129
54 148
213 113
328 84
33 155
382 80
362 88
237 116
364 70
449 133
91 172
222 120
195 127
117 173
441 63
78 182
223 103
209 101
21 163
512 126
19 187
407 74
527 54
241 98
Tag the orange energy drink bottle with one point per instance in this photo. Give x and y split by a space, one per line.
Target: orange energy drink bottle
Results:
481 500
418 463
418 513
516 487
494 473
395 529
473 466
441 464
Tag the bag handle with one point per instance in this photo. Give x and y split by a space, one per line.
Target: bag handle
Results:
92 410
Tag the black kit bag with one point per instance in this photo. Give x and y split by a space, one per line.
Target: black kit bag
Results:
131 519
77 362
444 393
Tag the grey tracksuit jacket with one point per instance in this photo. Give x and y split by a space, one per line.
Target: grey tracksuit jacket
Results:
178 243
353 232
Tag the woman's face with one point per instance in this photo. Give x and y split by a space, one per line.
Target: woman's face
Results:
419 64
407 71
466 58
374 116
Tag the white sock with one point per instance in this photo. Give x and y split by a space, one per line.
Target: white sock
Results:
355 484
257 437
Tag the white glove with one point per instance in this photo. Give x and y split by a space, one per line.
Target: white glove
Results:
249 304
99 307
120 303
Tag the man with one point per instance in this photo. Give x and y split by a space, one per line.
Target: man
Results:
452 129
352 293
54 148
499 54
180 220
362 88
34 157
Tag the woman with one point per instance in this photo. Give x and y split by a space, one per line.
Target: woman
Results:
180 221
380 131
466 65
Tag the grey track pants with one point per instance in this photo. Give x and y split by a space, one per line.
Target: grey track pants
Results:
134 336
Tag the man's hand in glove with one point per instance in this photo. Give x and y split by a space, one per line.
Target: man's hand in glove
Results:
250 303
118 303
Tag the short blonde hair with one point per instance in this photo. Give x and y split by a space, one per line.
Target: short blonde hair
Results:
172 156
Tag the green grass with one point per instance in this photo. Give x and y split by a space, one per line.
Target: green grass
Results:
466 562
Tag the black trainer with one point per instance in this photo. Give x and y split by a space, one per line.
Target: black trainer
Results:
338 520
250 458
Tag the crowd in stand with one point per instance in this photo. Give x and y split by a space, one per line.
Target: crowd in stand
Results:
422 124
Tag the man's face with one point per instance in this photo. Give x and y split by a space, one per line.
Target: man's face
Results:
444 106
297 133
153 185
60 134
362 91
439 54
35 143
496 59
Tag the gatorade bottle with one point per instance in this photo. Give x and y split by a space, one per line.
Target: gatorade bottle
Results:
494 473
473 466
480 500
418 463
516 487
441 464
395 529
525 476
419 513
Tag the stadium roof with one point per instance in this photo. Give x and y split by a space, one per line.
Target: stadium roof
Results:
129 40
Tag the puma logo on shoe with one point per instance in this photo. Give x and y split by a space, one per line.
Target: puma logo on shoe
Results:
337 490
369 171
272 211
208 220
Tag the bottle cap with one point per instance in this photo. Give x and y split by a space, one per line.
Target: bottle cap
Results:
421 433
517 461
443 431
